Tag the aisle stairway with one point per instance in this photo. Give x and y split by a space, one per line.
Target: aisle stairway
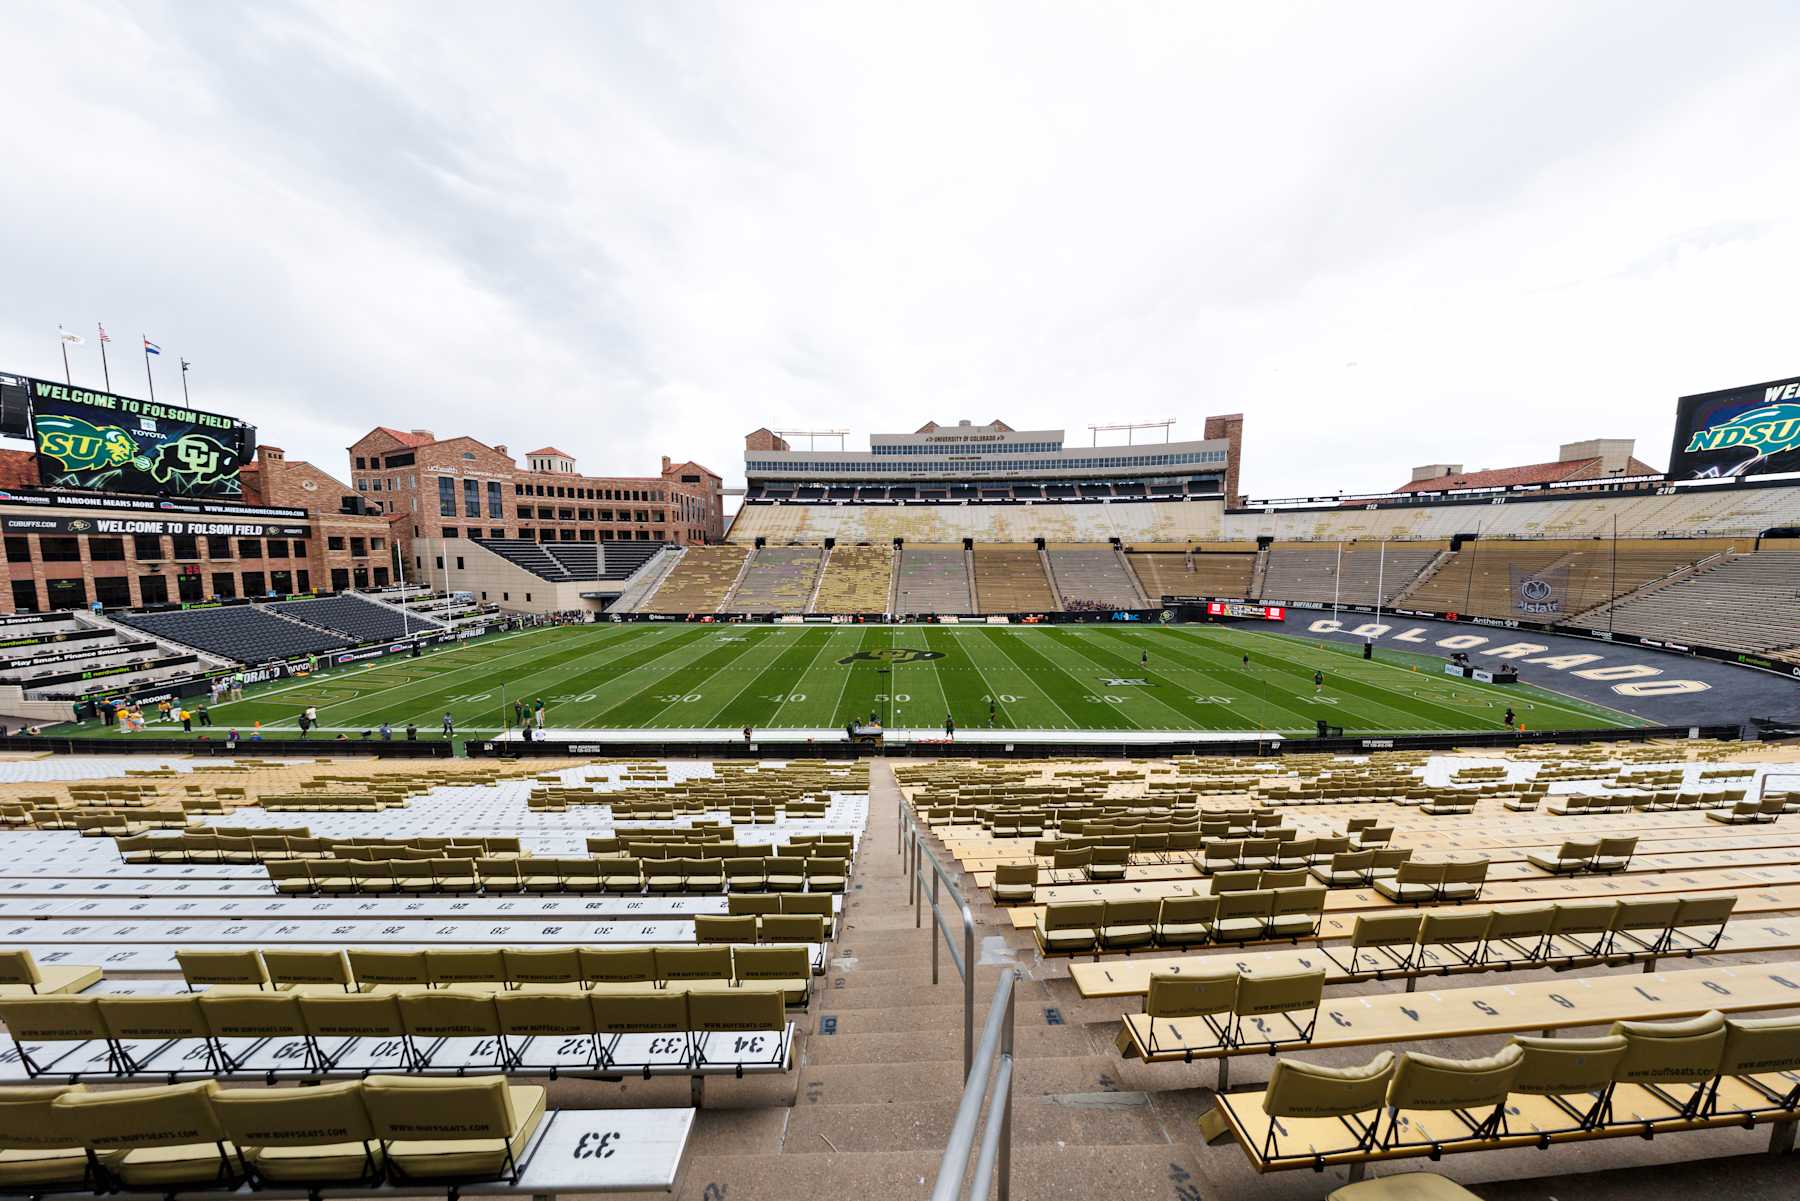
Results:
876 1095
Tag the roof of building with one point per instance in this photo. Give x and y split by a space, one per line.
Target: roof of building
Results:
551 450
1530 473
404 437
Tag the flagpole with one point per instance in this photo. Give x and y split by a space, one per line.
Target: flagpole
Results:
151 379
105 373
184 370
65 349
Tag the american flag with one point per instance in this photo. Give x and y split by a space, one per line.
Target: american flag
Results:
103 336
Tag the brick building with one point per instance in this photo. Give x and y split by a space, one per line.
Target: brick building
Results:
443 490
295 529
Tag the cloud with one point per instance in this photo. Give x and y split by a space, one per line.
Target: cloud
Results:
642 230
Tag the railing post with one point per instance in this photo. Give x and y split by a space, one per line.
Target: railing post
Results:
934 941
968 990
1006 1115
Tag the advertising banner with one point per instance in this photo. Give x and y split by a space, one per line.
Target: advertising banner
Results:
1738 431
1539 592
116 526
106 443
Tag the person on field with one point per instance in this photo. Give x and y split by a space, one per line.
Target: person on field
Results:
1511 717
205 716
518 713
187 720
538 712
1144 659
305 724
1318 682
387 732
949 727
412 732
1246 661
449 726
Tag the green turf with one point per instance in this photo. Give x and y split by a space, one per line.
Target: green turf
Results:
1040 678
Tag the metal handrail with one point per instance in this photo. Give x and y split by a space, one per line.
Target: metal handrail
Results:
994 1157
965 961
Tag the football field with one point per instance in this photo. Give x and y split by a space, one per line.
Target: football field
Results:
1057 677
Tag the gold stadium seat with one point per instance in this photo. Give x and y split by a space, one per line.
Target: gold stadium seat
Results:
436 1131
1662 1056
308 970
310 1138
40 1149
543 969
1129 924
562 1019
1404 1186
215 969
21 976
254 1015
1186 921
1070 928
1433 1100
1571 1077
166 1138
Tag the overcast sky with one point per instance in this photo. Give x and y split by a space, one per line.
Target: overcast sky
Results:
1388 234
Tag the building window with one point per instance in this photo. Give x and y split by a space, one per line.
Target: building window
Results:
381 577
450 531
446 496
281 581
188 588
224 585
253 583
459 565
305 580
376 544
106 550
218 547
340 579
25 596
299 549
59 550
67 594
493 491
18 548
334 542
113 591
278 548
358 548
359 462
471 498
153 590
146 546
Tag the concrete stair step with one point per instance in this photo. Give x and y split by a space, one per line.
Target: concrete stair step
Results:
921 1046
1081 1119
1041 1173
829 996
858 1084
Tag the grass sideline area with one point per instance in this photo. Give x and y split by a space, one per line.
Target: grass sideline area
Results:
1054 677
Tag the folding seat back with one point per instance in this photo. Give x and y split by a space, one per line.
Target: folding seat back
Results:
252 1015
1689 1050
1222 855
645 1012
618 967
1131 920
710 927
1237 881
1249 903
1388 859
1760 1046
1177 996
530 1014
131 1019
437 1129
739 1009
1527 923
1298 903
1614 854
1708 910
1556 1067
1073 859
372 965
1432 1082
351 1015
306 1137
767 966
526 966
465 965
1072 925
689 965
1375 836
754 904
1583 917
1279 992
149 1125
17 967
307 967
448 1013
43 1146
1260 851
1309 1090
1186 920
1350 864
1385 930
242 968
1281 880
792 927
1447 927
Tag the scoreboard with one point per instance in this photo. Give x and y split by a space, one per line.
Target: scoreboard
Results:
1246 611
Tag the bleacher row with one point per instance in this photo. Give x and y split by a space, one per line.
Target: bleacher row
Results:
256 633
1179 883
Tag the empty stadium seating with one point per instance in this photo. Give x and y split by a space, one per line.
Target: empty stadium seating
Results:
1092 578
1346 573
246 633
1010 579
1073 521
1179 571
354 617
699 582
1742 602
857 579
524 553
934 579
779 579
1497 578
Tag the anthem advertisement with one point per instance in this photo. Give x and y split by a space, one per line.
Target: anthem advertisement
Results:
96 441
1739 431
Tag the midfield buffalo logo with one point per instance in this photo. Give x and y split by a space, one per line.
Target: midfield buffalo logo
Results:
891 654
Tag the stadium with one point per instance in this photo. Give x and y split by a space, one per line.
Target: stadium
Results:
975 809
